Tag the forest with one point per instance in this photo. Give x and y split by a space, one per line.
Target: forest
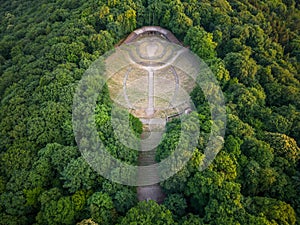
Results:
253 48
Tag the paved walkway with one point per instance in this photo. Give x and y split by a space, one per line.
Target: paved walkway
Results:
146 158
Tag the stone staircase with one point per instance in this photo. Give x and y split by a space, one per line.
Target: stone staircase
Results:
147 158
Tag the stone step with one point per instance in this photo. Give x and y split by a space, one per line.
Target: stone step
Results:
147 158
148 171
148 175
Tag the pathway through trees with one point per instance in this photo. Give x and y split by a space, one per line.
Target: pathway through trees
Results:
147 157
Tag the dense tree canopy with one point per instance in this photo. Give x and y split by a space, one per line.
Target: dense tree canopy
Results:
252 47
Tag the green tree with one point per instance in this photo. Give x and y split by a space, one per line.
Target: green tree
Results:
275 211
237 128
124 200
14 208
191 219
101 208
101 42
212 197
225 164
256 179
201 43
242 66
233 145
259 151
148 212
78 175
176 183
59 211
284 146
176 203
59 155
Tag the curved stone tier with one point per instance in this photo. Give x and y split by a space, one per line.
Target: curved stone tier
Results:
152 30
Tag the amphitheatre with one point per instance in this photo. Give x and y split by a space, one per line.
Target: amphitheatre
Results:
150 77
144 78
